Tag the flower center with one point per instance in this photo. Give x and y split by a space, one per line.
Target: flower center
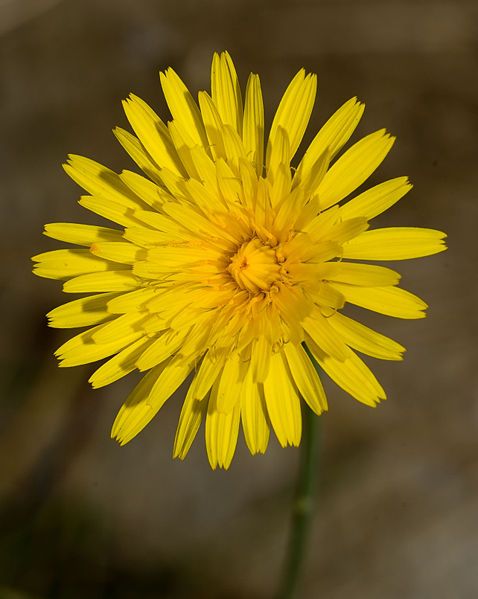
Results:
255 266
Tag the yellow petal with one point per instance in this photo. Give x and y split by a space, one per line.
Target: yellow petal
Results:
312 177
327 296
352 375
233 148
230 384
253 132
306 377
278 153
159 221
210 369
377 199
262 208
395 243
226 91
183 149
101 181
196 160
249 182
338 232
229 184
144 404
190 418
81 234
135 403
134 301
260 359
294 112
365 275
332 136
366 340
325 336
111 210
147 237
283 405
213 124
323 222
280 189
62 264
183 108
161 349
118 251
82 312
191 219
206 173
140 156
222 429
148 191
354 167
152 133
112 280
254 416
303 248
121 326
118 366
391 301
82 349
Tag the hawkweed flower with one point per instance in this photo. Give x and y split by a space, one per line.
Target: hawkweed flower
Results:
228 267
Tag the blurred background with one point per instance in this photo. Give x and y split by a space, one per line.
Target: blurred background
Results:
396 516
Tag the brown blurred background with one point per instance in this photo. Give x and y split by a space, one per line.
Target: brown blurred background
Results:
397 506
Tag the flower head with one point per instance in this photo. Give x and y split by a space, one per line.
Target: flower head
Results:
228 267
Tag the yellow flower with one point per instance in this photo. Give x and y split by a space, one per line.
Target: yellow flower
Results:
231 267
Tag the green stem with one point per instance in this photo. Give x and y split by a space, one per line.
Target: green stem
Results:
302 507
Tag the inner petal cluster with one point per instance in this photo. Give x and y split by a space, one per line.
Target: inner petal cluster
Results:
255 266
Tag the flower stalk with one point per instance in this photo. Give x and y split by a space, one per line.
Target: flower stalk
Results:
303 507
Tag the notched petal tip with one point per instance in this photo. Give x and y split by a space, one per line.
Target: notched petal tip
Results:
163 75
71 158
441 238
178 453
358 102
119 439
221 53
